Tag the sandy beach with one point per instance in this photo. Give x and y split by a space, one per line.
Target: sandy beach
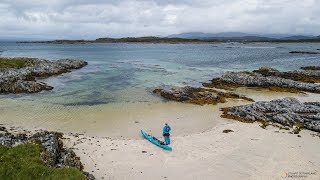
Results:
115 149
249 152
94 89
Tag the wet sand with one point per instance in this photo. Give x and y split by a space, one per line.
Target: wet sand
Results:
126 119
115 120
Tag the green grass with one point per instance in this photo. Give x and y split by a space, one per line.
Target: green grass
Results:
23 162
18 62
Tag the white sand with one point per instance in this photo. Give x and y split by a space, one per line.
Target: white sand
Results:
200 149
249 152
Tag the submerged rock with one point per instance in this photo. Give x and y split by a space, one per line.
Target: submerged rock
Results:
303 52
197 95
288 112
23 80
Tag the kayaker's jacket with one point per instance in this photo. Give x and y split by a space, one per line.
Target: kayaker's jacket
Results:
166 130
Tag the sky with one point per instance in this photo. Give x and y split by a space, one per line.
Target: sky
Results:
91 19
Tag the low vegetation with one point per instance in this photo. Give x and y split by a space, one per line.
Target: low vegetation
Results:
23 162
18 62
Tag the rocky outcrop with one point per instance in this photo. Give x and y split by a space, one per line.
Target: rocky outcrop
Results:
288 112
23 80
250 79
54 154
313 68
307 75
197 95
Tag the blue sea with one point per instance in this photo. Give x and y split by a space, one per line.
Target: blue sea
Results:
127 72
120 77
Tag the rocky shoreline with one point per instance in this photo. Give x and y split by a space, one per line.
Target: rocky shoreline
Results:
294 81
306 74
287 112
55 155
23 80
199 96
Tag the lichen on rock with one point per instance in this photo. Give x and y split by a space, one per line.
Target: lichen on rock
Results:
23 79
196 95
288 112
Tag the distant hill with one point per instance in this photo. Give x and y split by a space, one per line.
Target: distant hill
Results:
231 37
241 38
297 37
201 35
238 35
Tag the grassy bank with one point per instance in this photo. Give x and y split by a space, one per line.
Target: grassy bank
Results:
23 162
18 62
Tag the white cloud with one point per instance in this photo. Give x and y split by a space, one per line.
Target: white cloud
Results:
114 18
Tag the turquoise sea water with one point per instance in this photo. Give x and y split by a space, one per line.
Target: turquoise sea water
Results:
122 73
110 95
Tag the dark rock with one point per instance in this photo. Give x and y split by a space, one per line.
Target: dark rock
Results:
52 145
3 129
23 80
288 112
227 131
312 68
89 176
197 95
70 159
303 52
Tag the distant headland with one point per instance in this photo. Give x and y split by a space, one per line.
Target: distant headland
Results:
193 38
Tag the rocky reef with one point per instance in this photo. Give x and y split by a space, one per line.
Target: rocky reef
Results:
195 95
287 112
269 79
308 74
23 79
303 52
54 154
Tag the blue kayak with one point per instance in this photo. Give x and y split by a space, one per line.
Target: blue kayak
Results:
155 141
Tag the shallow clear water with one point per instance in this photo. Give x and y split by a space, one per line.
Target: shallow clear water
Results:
125 72
119 78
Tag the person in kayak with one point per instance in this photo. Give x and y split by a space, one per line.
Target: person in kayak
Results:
166 133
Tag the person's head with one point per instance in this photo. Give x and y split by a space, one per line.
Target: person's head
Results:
166 124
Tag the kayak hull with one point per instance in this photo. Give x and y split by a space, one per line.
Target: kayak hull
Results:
155 141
